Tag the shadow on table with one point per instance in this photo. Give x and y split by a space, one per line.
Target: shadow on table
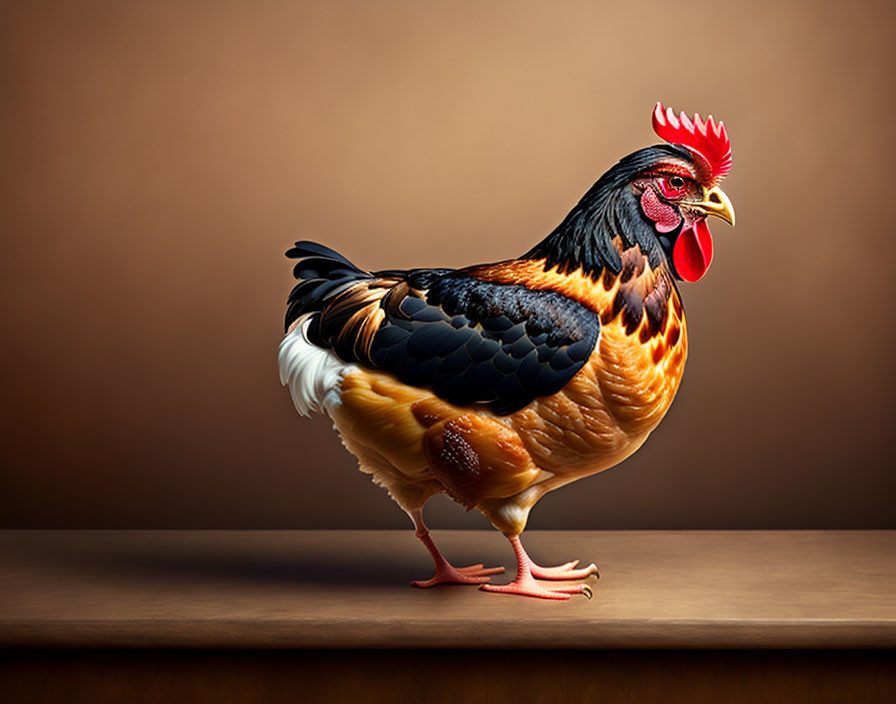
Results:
342 567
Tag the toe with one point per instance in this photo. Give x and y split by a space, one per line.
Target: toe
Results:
447 574
525 590
566 571
479 570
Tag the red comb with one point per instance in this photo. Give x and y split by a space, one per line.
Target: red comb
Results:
706 138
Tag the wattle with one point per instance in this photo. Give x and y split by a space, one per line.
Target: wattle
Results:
692 253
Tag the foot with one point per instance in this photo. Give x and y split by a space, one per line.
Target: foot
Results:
448 574
529 587
566 571
527 571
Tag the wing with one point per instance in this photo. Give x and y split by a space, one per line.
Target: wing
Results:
470 341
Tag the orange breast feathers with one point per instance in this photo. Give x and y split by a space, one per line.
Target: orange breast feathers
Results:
639 361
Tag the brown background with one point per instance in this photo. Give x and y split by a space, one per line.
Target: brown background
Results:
158 158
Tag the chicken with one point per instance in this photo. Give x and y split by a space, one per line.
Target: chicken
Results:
498 383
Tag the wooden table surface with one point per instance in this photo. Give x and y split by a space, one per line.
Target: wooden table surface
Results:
349 589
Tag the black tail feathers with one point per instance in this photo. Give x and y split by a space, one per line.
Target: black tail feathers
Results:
322 274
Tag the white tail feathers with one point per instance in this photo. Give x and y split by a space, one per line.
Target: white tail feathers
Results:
314 375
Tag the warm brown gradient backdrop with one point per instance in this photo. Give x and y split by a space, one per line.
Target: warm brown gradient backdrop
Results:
159 157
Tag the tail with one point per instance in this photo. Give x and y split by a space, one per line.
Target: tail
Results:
323 274
309 359
340 307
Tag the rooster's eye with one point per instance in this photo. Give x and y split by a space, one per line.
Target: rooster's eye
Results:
672 187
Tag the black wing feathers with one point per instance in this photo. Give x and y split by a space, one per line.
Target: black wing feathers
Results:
470 341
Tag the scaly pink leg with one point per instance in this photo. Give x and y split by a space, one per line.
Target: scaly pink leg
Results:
446 573
525 584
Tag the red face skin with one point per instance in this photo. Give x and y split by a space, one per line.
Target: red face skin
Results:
661 200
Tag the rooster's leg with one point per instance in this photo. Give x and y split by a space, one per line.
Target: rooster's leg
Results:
446 573
527 571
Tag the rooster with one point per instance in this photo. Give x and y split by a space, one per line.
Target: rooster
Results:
498 383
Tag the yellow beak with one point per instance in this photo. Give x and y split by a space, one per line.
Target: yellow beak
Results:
715 202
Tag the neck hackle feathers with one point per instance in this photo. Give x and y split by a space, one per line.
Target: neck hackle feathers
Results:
587 237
